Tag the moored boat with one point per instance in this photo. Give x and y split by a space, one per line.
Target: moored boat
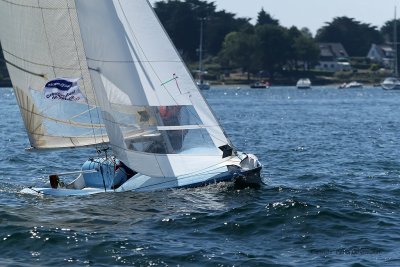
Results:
203 85
353 84
393 83
390 83
303 83
260 85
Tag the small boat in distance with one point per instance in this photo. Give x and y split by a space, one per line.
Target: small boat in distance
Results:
391 83
260 85
201 84
303 83
353 84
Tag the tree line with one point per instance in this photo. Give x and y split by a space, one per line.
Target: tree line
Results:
234 42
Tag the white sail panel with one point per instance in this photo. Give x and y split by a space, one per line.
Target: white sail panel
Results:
125 43
159 165
60 123
138 74
41 41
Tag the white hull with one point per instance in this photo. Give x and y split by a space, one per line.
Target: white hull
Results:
244 170
391 87
303 84
391 84
203 85
351 85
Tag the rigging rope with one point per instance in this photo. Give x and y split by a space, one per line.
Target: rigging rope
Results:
97 144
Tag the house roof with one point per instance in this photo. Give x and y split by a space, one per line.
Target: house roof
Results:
384 51
334 50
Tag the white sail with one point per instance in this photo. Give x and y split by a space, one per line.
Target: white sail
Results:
139 78
41 42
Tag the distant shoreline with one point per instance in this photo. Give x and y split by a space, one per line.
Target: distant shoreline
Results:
5 83
241 84
247 86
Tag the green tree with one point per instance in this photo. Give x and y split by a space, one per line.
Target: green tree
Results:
293 59
264 18
178 17
272 48
238 50
307 51
387 30
303 48
269 47
306 31
182 19
217 26
356 37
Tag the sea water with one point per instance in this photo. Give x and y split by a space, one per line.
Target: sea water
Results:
331 195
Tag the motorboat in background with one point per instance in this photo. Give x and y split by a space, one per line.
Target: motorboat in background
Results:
353 84
260 85
303 83
391 83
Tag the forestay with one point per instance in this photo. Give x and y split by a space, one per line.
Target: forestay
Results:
157 120
41 42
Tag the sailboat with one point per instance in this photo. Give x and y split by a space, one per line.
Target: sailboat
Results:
393 83
201 83
104 73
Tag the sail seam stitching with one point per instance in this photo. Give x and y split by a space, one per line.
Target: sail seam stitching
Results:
37 7
35 63
47 41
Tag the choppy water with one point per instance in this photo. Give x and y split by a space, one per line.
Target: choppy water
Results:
332 172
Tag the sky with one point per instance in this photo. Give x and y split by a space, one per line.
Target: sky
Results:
313 13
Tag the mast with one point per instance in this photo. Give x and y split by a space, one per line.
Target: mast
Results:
396 72
201 50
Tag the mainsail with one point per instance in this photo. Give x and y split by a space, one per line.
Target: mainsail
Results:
41 42
137 75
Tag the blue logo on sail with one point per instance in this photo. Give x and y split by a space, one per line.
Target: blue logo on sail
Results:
63 89
63 85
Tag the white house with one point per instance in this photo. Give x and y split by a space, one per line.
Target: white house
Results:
382 54
333 57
